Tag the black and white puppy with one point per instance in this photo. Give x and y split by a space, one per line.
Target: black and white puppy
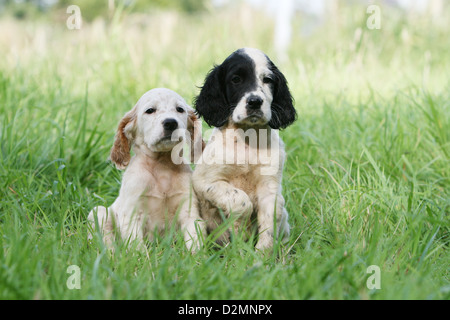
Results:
240 171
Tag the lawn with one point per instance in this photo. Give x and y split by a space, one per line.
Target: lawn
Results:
366 180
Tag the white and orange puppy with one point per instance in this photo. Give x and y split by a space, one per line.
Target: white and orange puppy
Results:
155 190
239 174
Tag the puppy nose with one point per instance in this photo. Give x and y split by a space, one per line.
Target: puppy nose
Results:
254 102
170 124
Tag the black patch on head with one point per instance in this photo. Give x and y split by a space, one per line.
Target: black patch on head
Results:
239 65
224 87
283 111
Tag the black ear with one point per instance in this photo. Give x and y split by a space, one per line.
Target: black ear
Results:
211 103
283 111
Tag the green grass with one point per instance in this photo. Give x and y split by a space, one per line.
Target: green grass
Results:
366 179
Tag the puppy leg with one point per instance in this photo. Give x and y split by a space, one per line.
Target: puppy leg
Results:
103 218
271 212
130 225
215 195
192 226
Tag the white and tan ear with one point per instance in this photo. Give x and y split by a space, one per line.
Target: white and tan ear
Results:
195 130
120 152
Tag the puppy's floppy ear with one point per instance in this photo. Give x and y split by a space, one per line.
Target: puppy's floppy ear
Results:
195 129
283 111
211 103
120 152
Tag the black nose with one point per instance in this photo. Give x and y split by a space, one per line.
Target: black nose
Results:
170 124
254 102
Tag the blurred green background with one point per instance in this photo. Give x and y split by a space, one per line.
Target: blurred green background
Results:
366 179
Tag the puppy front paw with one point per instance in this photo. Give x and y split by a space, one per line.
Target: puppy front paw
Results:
265 241
238 202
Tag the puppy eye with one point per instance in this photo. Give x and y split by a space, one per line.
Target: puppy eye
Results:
268 80
180 109
236 79
150 111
